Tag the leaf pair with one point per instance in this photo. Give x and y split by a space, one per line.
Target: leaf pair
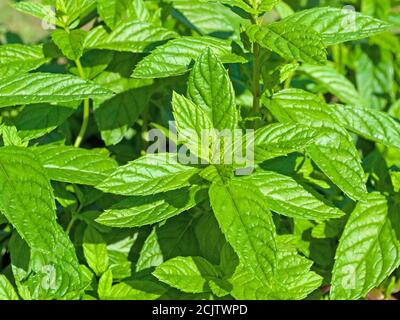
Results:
303 36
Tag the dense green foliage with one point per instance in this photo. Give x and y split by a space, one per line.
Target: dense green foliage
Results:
87 213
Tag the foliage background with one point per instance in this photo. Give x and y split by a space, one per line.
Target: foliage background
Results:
119 262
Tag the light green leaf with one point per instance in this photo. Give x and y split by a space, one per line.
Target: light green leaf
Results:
211 89
46 87
280 139
208 18
149 175
139 11
175 57
284 10
38 10
237 3
374 75
299 106
95 251
19 58
368 251
74 165
333 150
70 42
136 290
338 25
188 274
141 211
26 199
335 154
193 125
247 224
291 41
11 137
286 196
334 82
112 12
266 5
105 284
7 291
293 279
369 123
70 10
132 36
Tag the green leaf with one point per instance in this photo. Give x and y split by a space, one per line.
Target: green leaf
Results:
374 75
293 279
174 58
149 175
281 139
27 200
208 18
176 237
132 36
95 251
70 42
105 284
138 11
115 116
237 3
188 274
211 89
93 62
211 240
136 290
112 12
141 211
335 154
334 82
46 87
19 58
193 125
286 196
246 222
70 10
333 150
295 105
37 120
379 9
38 10
291 41
266 5
368 251
7 291
369 123
338 25
75 165
10 136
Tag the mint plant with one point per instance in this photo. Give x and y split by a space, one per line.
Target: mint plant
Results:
200 149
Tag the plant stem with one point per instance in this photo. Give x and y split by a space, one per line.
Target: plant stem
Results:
256 78
289 80
70 225
86 109
256 75
74 218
